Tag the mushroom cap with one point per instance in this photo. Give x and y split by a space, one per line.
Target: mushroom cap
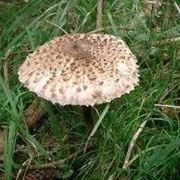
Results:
80 69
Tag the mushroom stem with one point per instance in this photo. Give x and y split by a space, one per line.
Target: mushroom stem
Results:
88 118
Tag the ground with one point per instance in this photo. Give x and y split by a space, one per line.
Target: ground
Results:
152 32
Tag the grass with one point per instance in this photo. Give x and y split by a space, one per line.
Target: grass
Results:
25 26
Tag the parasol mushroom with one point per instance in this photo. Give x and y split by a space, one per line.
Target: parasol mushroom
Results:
80 69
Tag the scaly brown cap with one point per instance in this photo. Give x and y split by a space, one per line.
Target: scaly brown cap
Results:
80 69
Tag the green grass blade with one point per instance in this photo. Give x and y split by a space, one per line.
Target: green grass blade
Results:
101 117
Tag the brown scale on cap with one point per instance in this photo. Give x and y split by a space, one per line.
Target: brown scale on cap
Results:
82 69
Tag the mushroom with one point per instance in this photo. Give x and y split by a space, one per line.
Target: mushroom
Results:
80 69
